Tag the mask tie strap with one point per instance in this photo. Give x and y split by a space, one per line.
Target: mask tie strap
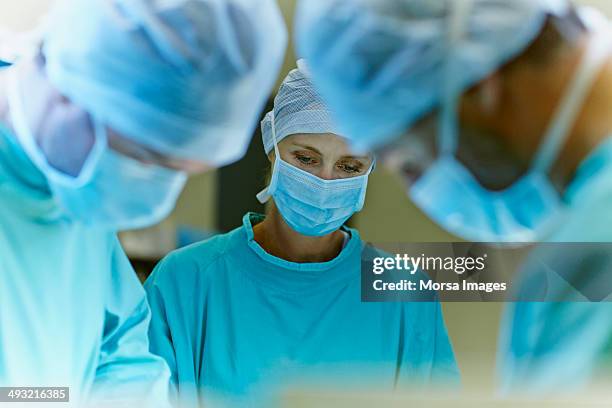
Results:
569 108
447 134
273 128
264 195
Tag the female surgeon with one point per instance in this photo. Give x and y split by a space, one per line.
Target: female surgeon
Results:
276 302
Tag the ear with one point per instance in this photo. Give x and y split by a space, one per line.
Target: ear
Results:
271 157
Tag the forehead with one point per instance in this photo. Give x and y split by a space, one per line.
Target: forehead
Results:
317 140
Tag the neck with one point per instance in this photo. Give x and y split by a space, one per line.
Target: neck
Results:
279 239
593 126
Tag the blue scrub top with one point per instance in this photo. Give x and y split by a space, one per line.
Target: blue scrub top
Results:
236 323
560 345
72 312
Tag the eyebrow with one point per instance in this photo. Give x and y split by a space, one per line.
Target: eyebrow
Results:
308 148
356 157
314 149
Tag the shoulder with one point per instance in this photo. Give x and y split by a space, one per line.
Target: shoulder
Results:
372 256
195 262
420 311
369 252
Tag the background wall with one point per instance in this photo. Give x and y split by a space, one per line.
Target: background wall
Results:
22 15
387 217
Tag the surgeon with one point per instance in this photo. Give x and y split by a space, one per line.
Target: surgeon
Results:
276 302
497 113
100 126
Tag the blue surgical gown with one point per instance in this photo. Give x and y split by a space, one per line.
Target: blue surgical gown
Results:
72 312
559 345
237 324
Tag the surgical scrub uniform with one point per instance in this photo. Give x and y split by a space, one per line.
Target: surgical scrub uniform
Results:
237 324
559 345
72 312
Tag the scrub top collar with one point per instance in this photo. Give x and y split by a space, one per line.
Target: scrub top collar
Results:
297 277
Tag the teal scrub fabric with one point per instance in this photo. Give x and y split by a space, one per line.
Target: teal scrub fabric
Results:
237 324
72 312
559 345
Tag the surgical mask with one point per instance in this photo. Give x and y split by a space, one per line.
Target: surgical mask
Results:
111 191
311 205
528 210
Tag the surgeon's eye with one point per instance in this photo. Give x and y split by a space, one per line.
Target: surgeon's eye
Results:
306 159
351 167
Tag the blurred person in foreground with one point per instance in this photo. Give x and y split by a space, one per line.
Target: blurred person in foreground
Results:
498 115
101 123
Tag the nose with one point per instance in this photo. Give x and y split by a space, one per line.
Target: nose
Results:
193 167
326 173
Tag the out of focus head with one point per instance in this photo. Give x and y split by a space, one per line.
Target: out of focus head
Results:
127 96
185 79
386 67
469 99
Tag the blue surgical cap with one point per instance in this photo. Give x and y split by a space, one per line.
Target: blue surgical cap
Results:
298 108
187 78
381 65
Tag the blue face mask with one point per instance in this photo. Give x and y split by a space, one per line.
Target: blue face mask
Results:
111 190
528 210
311 205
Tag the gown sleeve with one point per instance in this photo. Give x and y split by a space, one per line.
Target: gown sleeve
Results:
177 330
558 343
444 366
426 354
127 373
160 336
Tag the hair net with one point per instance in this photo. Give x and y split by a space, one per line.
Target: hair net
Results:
380 64
187 78
298 108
